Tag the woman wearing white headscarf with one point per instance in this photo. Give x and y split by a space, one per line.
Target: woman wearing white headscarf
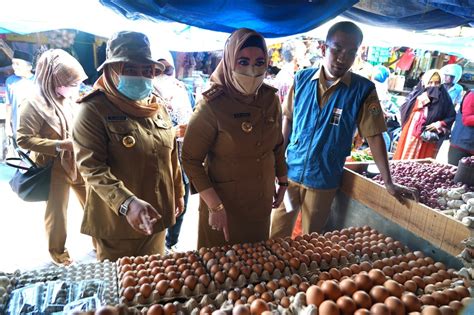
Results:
236 131
45 130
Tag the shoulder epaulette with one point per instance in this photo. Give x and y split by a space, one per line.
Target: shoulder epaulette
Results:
213 92
89 95
270 87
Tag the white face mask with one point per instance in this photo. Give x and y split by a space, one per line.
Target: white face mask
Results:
248 85
71 92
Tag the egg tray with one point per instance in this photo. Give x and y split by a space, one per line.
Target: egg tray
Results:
253 276
170 295
103 271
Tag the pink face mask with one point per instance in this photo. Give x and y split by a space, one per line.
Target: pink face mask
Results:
68 91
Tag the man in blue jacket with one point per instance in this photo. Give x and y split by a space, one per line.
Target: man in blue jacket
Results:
323 108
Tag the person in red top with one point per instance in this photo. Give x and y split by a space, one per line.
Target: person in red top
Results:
462 138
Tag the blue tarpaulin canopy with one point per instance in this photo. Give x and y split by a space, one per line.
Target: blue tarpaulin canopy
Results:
276 18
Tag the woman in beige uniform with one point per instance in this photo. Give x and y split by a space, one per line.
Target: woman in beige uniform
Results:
44 129
126 153
236 132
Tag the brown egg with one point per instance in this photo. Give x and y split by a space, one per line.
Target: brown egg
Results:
431 310
295 279
220 277
129 282
394 305
365 266
440 298
346 305
331 290
233 295
303 287
446 310
267 297
155 309
456 305
377 276
314 295
145 290
399 278
362 311
411 286
362 299
348 287
291 290
258 306
191 281
284 282
462 291
411 302
205 280
285 302
379 293
176 284
335 273
162 286
379 309
129 293
170 309
388 271
139 260
363 282
294 263
355 268
280 265
427 299
259 288
328 308
126 268
394 288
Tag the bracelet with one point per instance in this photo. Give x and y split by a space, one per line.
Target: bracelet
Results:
283 184
218 208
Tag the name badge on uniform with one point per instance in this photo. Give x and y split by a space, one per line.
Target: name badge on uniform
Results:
241 115
116 118
336 116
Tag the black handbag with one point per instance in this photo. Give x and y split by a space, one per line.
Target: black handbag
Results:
30 183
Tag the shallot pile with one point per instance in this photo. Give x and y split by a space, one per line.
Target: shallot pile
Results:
427 178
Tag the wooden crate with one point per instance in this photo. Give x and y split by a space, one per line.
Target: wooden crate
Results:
441 230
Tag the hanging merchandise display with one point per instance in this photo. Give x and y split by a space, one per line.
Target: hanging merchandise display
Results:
61 38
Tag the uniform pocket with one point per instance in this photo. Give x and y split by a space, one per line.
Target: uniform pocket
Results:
165 134
119 129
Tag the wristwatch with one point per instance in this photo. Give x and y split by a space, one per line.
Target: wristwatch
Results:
124 206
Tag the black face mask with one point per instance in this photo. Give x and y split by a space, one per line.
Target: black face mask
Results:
433 91
169 71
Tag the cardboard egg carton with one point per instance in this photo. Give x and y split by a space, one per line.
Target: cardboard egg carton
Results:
170 295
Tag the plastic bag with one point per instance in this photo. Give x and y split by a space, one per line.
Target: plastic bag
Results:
58 294
27 300
82 305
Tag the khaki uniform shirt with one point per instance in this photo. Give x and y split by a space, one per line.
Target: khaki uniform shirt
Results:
120 156
35 134
242 145
367 123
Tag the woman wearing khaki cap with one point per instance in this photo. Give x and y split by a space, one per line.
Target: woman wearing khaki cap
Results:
236 131
127 155
44 129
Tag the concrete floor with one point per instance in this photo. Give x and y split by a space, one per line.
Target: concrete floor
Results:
22 238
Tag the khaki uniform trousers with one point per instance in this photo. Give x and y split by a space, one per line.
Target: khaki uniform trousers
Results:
315 205
55 218
113 249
